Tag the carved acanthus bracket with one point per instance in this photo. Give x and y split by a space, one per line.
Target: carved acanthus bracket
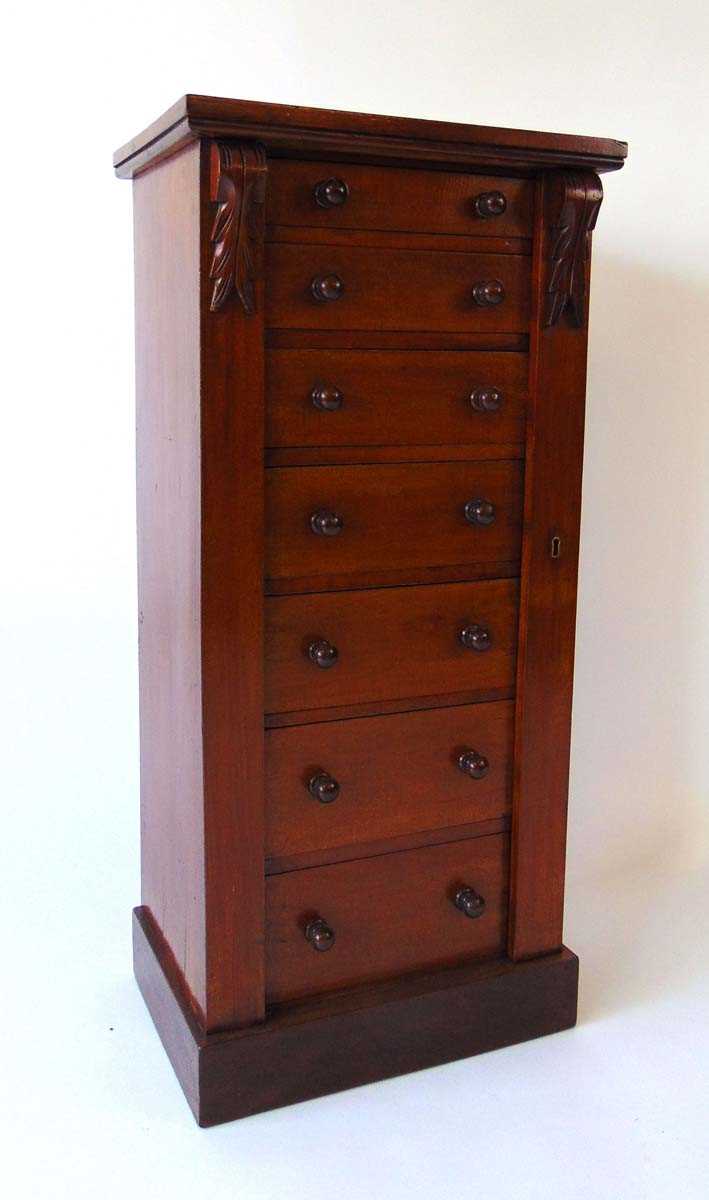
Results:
238 187
573 199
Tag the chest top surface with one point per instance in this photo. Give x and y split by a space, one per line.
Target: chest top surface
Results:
287 129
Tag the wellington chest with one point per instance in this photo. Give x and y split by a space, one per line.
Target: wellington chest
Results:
361 360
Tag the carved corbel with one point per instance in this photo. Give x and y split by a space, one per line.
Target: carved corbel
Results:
238 188
573 199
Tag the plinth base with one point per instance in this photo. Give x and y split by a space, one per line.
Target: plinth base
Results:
340 1041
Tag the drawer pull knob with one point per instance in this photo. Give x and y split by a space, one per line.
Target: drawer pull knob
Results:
326 398
475 637
320 935
469 902
323 654
331 193
474 764
323 787
488 292
328 287
326 523
479 512
486 399
490 204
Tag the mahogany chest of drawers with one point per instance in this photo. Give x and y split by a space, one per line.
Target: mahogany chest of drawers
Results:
361 356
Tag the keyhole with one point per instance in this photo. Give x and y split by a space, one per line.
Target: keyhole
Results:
555 546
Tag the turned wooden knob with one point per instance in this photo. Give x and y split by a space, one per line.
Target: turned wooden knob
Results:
323 654
488 292
326 397
469 902
486 399
326 288
490 204
474 764
320 935
326 523
323 787
479 512
331 193
475 637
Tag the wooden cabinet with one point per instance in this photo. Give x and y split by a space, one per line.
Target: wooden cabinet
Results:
361 356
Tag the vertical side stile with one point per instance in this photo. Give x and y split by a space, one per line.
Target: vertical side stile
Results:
232 360
566 211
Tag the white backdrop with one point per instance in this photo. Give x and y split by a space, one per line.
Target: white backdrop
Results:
80 79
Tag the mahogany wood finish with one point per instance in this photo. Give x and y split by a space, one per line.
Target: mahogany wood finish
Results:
374 708
309 1048
407 841
167 255
550 563
293 131
389 915
232 507
238 190
387 240
392 643
397 774
395 398
323 521
392 289
573 202
396 200
391 339
361 347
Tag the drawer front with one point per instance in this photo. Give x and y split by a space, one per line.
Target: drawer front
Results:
395 397
337 520
391 198
395 289
389 915
343 783
389 643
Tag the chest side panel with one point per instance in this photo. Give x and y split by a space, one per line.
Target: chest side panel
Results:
167 249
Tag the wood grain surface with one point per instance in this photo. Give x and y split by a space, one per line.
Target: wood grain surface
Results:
396 199
390 915
394 289
393 643
167 249
394 398
397 774
394 518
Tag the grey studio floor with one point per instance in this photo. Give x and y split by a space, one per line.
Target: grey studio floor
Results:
614 1108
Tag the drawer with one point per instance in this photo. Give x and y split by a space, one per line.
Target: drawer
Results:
344 648
419 290
395 397
389 915
340 783
390 198
324 521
